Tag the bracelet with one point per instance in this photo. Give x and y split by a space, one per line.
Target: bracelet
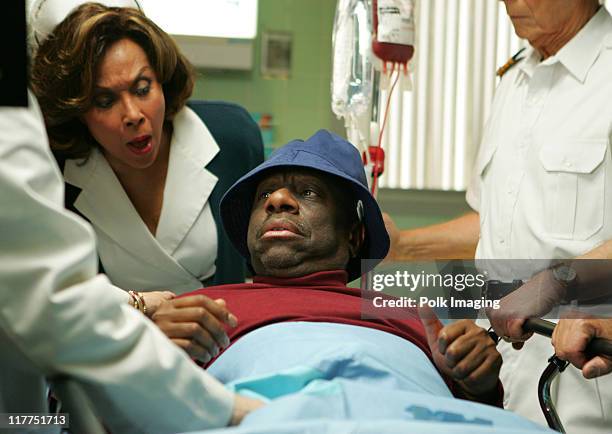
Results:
142 303
133 300
138 301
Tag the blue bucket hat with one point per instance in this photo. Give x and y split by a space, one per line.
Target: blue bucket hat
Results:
327 153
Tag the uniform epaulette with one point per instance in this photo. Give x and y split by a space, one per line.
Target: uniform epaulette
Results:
510 63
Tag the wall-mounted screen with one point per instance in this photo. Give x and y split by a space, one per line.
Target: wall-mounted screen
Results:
212 18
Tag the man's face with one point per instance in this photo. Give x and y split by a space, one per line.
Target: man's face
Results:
298 225
538 19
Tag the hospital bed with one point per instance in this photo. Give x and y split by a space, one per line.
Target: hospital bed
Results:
345 390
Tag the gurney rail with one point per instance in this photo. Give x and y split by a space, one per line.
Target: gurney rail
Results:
555 366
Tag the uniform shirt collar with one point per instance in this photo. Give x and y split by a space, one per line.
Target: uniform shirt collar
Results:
580 53
531 59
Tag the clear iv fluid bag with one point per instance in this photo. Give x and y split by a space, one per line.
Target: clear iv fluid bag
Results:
352 72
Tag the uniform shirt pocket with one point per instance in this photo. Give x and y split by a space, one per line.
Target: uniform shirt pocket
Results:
573 185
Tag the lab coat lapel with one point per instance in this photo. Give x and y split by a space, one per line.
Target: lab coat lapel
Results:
118 218
188 183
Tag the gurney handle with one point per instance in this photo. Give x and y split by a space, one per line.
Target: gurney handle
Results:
597 346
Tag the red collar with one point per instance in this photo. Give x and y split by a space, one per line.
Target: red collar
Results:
333 278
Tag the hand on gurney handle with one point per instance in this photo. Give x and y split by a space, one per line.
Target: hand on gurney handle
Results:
582 339
532 300
465 352
194 323
571 339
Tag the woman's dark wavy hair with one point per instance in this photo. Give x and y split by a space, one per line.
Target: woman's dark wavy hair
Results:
64 70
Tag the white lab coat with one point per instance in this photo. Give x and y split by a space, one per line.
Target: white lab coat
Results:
183 251
542 186
58 317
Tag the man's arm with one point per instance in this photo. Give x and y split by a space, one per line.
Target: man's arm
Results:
455 239
64 319
543 292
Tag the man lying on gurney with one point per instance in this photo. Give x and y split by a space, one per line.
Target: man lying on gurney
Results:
305 219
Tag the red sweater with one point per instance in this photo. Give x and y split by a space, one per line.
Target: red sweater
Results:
317 297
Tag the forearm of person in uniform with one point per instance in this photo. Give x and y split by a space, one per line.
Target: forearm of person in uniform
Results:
455 239
593 276
594 273
543 292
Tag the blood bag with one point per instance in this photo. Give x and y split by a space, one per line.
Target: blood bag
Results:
394 35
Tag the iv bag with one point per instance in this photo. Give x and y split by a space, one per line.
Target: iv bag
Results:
352 73
393 31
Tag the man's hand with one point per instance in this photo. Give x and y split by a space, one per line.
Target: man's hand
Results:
532 300
570 340
465 352
195 324
154 299
242 407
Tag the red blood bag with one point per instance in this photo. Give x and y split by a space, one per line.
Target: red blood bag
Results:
393 40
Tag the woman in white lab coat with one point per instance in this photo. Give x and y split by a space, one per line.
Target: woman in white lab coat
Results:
139 164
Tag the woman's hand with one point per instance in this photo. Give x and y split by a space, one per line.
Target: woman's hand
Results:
154 299
195 324
465 352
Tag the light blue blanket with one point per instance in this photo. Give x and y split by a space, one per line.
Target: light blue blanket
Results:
335 378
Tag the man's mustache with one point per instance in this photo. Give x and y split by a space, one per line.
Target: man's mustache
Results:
285 222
